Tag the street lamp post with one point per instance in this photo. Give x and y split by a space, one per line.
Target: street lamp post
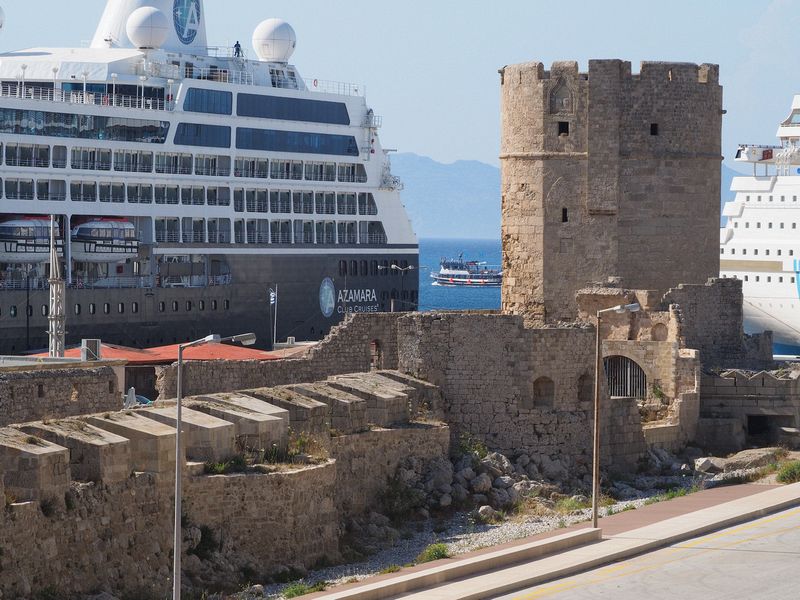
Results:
246 339
403 271
621 309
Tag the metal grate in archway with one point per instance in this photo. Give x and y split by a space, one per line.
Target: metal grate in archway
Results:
625 378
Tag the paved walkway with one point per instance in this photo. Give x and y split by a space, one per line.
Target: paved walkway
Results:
611 526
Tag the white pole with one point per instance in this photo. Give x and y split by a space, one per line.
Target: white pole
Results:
176 548
275 319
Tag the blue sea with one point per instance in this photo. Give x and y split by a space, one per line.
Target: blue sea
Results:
433 297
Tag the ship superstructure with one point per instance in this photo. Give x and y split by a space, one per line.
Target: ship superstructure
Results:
186 181
760 243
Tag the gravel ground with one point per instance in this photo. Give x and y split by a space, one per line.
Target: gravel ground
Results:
462 535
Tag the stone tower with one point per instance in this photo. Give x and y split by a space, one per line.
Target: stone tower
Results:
607 174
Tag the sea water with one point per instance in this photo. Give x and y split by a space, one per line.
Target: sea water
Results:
433 297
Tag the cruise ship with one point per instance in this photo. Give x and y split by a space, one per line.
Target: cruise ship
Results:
196 189
760 243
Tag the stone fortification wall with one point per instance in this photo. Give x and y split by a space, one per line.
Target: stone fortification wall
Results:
347 349
738 404
710 317
605 174
50 393
364 462
518 389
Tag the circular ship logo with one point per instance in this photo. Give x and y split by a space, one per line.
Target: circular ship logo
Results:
186 14
327 297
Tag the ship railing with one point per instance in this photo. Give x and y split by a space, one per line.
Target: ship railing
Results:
219 238
27 162
334 87
117 199
93 165
73 97
193 236
112 282
234 77
193 281
373 238
32 283
373 121
213 171
164 237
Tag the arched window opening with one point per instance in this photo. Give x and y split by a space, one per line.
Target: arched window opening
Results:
625 378
544 393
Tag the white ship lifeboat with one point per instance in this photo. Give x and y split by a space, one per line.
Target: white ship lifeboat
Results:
104 240
26 240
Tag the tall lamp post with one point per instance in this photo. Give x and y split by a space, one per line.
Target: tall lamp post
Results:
403 271
621 309
245 339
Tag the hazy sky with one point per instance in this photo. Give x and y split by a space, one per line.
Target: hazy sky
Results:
430 67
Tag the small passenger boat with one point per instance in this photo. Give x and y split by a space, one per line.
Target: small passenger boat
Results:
467 273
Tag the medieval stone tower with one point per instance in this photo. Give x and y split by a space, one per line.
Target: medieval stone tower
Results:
607 174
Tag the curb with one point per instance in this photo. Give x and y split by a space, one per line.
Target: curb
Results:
449 570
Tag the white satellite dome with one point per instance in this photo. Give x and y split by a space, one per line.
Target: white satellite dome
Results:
147 27
274 41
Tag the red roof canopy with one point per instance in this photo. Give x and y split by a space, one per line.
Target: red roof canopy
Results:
169 354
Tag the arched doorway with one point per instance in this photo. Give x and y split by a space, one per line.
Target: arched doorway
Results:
625 378
375 355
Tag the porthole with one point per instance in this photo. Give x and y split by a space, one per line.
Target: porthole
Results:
174 306
162 306
77 309
106 308
92 308
12 311
226 304
121 308
134 307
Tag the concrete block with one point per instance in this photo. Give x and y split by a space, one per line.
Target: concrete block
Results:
152 444
207 438
33 468
254 429
94 454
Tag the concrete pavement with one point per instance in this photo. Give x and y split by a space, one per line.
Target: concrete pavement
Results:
624 535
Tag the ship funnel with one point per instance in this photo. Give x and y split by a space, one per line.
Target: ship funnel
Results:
185 19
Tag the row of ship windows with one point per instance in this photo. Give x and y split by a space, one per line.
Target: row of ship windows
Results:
250 200
770 198
121 129
107 308
757 278
263 231
373 268
755 252
758 225
176 163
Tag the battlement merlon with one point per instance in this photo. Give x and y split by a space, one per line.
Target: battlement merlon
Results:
649 71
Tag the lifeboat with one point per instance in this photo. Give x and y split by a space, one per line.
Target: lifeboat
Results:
26 240
103 240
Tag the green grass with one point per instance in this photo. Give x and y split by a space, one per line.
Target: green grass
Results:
237 464
789 472
433 552
671 494
568 505
301 589
390 569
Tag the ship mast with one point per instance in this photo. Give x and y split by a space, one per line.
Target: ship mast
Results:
56 317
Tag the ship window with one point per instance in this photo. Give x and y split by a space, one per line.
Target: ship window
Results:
320 171
564 215
92 308
201 305
791 252
134 307
173 163
342 268
19 189
373 267
120 308
238 200
213 305
781 225
83 191
292 109
133 161
758 225
77 309
747 225
755 251
794 198
226 304
346 204
780 252
12 311
174 306
51 189
366 204
286 169
162 307
744 250
722 250
106 308
758 198
251 167
270 140
325 203
780 279
792 279
91 127
217 166
783 198
746 278
197 134
352 173
794 225
354 268
188 306
208 101
364 272
770 198
769 225
747 198
758 278
45 310
736 225
733 250
563 128
653 128
769 279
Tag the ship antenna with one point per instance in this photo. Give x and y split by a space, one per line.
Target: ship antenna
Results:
57 316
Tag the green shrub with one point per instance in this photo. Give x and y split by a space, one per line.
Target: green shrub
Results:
207 545
433 552
789 472
399 500
237 464
568 505
469 445
301 589
390 569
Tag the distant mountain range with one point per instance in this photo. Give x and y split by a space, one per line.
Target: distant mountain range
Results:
462 199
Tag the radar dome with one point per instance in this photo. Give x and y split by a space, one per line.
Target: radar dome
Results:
274 41
147 27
